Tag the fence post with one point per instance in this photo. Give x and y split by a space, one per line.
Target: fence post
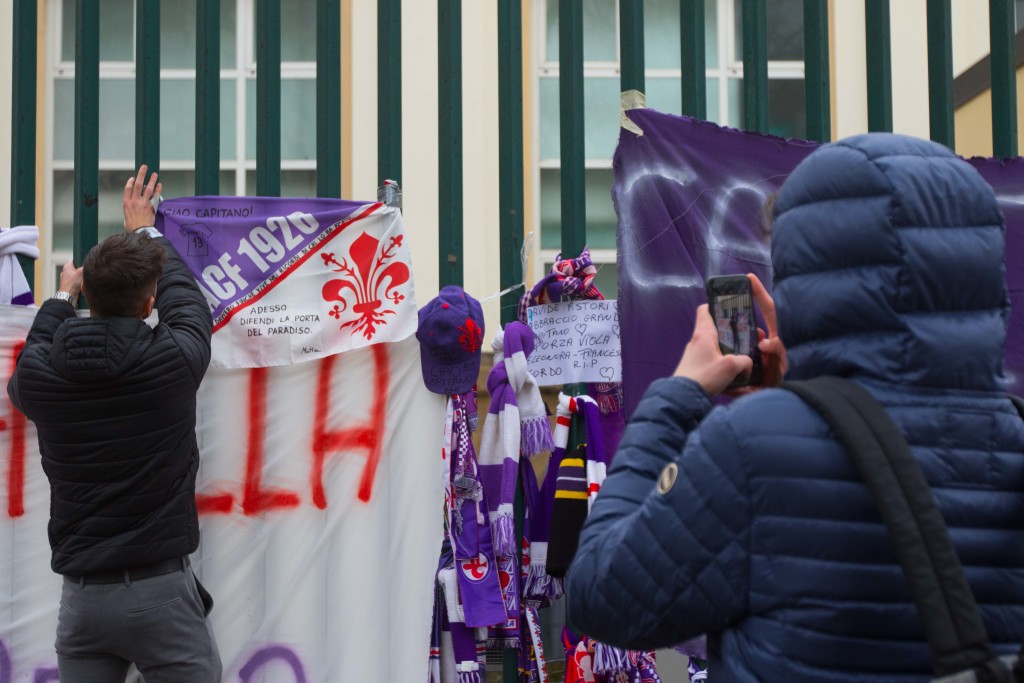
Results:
268 98
510 152
87 139
940 73
817 90
879 65
755 66
631 44
573 159
328 98
208 97
389 90
147 84
1004 78
23 124
449 130
571 105
510 201
693 60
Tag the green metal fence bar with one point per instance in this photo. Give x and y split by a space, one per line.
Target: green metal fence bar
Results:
208 97
328 98
817 91
268 98
510 201
510 152
389 90
631 44
449 143
147 84
693 60
879 65
573 161
23 123
940 72
1004 78
87 127
755 66
571 105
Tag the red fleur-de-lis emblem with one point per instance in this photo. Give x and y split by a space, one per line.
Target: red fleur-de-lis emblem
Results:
370 276
472 336
476 568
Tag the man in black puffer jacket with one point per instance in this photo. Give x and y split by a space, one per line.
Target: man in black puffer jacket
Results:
114 404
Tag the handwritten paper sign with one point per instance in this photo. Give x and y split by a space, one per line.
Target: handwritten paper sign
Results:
577 341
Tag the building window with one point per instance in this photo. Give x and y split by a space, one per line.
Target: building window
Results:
663 78
177 107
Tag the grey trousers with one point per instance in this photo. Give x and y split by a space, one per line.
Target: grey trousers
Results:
159 624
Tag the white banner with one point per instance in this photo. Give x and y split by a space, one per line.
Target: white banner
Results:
291 280
320 498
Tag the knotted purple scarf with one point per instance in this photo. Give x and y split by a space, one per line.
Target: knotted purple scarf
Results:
569 279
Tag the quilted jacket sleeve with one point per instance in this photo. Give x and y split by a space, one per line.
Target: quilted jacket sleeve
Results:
654 569
184 310
40 337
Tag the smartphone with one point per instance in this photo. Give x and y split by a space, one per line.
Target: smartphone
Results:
732 306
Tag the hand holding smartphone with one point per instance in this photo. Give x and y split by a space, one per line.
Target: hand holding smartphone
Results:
731 303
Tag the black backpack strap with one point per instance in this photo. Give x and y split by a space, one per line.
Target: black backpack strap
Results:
945 603
1017 402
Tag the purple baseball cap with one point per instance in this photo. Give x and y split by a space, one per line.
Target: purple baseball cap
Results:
451 332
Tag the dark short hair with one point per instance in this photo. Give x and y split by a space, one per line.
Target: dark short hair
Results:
120 274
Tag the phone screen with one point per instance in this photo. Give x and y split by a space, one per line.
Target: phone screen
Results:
732 306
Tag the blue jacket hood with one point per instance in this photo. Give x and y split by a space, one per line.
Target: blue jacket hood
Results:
888 258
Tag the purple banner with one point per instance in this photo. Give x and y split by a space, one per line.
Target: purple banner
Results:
690 202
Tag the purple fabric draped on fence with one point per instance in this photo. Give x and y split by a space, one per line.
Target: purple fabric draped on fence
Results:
689 197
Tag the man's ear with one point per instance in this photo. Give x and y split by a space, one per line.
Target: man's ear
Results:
147 308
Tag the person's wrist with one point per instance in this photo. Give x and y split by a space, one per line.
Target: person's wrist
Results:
149 230
135 222
63 294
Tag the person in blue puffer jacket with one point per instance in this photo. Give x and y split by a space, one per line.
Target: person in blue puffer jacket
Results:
749 522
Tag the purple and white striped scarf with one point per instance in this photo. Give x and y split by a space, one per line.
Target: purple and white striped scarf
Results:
517 424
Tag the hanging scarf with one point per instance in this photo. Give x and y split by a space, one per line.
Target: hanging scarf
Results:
534 590
598 457
696 651
697 670
569 279
469 531
568 511
576 476
579 657
539 587
468 590
21 239
580 477
517 424
440 642
583 662
532 667
467 642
